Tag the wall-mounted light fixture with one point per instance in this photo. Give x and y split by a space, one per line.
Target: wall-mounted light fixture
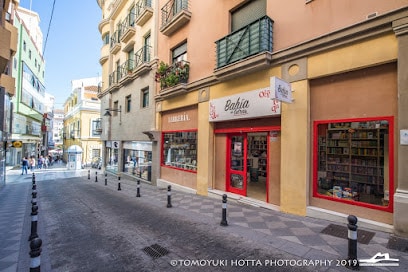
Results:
107 113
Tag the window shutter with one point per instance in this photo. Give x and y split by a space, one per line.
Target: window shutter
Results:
247 14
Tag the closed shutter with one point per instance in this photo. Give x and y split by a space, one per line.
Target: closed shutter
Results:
247 14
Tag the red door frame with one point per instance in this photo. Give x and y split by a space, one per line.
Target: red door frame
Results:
235 131
229 169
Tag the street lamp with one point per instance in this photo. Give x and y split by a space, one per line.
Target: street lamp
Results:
107 113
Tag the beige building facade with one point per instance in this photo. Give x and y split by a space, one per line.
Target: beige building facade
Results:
336 147
82 122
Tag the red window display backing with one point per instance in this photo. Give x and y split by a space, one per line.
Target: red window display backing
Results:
354 161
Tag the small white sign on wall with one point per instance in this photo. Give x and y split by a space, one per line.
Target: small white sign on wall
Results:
404 137
281 89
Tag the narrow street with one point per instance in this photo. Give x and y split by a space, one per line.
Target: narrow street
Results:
88 227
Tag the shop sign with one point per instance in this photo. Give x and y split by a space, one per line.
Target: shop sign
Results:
134 145
281 89
112 144
252 104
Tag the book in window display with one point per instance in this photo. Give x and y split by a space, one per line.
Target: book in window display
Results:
354 160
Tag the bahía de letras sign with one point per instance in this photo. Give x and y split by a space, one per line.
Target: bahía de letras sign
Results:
252 104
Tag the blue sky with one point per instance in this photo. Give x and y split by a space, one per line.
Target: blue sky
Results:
74 42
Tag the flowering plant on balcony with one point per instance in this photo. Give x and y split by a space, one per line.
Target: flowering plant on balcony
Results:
171 75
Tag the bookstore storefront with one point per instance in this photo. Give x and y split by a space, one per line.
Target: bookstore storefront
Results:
247 144
179 146
353 118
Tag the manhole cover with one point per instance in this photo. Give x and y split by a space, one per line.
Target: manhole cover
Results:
363 236
156 251
398 243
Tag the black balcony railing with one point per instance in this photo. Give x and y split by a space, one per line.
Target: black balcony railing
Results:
246 41
171 75
114 77
115 38
141 5
142 55
171 9
129 20
127 67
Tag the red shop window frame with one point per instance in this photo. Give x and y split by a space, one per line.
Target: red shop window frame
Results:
162 163
390 121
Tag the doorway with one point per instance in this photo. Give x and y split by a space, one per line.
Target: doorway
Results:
247 164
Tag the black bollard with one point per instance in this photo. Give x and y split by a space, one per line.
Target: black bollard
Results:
89 174
106 179
96 176
34 218
34 197
224 211
119 189
33 178
35 252
34 187
352 261
138 189
169 197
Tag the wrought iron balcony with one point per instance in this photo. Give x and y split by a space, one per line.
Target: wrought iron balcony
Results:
243 43
143 55
174 14
115 41
144 11
128 27
171 75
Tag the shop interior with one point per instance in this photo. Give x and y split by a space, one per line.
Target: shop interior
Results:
257 152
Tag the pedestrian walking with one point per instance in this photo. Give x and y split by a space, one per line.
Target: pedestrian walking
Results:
46 162
24 166
32 163
40 162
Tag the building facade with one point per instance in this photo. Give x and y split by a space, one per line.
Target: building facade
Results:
336 145
28 103
129 130
58 129
8 48
82 120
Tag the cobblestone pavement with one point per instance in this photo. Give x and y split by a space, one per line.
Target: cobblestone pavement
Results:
89 226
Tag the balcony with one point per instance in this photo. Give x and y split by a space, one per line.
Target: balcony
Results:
104 54
175 14
142 60
9 83
144 12
114 80
173 78
115 42
126 71
128 27
246 50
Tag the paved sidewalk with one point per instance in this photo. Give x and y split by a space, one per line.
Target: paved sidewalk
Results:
300 236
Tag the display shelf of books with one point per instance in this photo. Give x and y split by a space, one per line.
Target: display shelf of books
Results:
322 153
354 160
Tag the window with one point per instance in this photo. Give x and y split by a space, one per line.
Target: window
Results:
179 53
138 163
96 127
146 51
180 150
131 60
128 103
116 108
354 162
24 46
145 97
247 14
106 38
29 54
